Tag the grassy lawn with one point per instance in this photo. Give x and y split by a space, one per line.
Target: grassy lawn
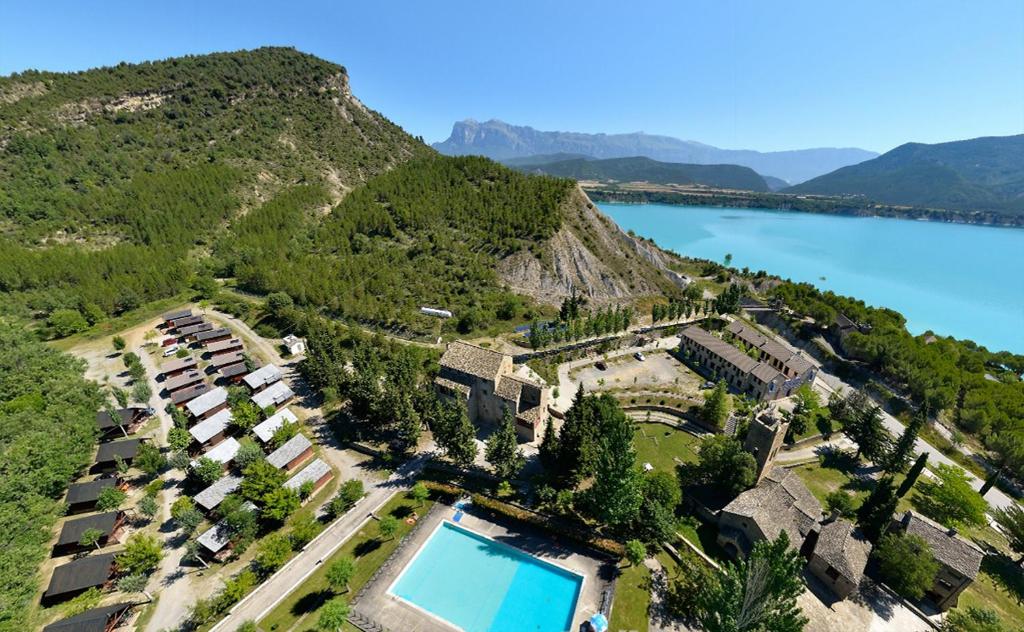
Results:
998 586
298 610
660 445
632 598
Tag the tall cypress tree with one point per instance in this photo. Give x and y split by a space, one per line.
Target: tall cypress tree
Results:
549 447
874 515
912 475
896 461
616 495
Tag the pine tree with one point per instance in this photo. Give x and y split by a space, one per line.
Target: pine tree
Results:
716 406
503 451
549 446
578 439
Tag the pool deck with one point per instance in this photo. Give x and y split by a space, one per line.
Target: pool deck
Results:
376 606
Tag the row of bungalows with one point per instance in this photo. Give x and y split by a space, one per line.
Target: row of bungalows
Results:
265 430
217 539
109 525
123 421
188 334
740 371
179 324
102 619
170 319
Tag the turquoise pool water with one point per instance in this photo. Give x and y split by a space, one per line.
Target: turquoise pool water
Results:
481 585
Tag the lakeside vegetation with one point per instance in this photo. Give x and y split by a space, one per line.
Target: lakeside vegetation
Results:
847 205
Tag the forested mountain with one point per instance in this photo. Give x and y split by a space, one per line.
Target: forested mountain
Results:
981 174
640 169
502 141
123 185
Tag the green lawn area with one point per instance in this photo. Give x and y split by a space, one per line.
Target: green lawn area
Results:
998 586
298 610
660 445
632 598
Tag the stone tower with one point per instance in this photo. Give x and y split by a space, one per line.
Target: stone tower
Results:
764 438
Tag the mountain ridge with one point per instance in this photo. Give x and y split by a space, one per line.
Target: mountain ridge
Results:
501 141
643 169
978 174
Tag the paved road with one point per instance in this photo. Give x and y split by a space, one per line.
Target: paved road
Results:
291 575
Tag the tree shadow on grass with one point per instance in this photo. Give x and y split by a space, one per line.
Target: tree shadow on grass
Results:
366 547
402 512
834 459
1006 574
311 602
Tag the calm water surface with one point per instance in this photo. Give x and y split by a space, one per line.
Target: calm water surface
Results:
954 279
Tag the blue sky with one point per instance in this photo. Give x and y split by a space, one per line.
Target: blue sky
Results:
759 75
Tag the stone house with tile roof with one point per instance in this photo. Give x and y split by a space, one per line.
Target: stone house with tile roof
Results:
485 381
959 560
838 555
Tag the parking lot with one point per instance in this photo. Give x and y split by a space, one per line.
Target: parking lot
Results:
658 371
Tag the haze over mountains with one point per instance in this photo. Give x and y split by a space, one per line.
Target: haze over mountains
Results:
502 141
977 174
640 168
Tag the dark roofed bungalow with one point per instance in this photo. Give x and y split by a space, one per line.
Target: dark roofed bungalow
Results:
184 380
178 366
83 496
76 577
226 359
170 317
108 452
959 560
207 337
128 421
234 372
224 346
189 333
186 395
108 523
187 321
103 619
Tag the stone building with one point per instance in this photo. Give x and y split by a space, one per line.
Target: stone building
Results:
959 560
764 438
838 554
484 380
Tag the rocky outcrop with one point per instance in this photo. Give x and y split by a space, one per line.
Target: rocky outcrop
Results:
593 256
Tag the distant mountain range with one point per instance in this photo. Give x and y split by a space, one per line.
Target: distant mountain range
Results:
501 141
639 168
981 174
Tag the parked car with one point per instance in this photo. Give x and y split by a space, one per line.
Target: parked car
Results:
168 342
171 351
708 384
639 356
601 366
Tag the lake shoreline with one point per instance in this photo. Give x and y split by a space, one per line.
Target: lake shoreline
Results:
812 205
947 278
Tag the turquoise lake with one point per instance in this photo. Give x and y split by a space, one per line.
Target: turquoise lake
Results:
954 279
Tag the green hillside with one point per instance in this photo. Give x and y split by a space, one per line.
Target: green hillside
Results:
121 186
982 174
641 169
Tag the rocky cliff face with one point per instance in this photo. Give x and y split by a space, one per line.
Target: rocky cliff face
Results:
593 256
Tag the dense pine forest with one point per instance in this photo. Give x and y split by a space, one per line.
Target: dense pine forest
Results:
124 185
40 390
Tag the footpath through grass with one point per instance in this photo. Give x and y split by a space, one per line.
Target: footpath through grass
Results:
299 611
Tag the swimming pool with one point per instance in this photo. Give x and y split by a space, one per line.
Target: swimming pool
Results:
481 585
